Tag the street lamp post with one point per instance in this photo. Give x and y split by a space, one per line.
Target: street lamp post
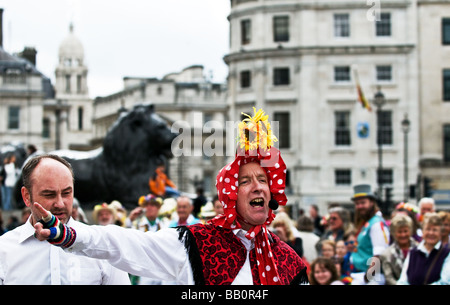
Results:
406 128
379 101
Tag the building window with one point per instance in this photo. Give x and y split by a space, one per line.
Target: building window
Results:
387 175
281 28
383 26
46 128
14 76
446 143
385 128
341 25
284 132
246 79
342 74
13 117
79 84
68 83
446 31
342 128
384 73
246 31
159 90
446 84
343 177
207 117
80 118
281 76
289 190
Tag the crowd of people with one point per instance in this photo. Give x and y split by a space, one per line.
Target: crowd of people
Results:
408 248
325 243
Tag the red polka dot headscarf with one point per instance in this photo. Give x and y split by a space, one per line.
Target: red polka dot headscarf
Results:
227 186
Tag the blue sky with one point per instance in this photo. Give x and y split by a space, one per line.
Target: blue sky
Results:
122 38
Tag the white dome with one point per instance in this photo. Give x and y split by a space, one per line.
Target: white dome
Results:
71 46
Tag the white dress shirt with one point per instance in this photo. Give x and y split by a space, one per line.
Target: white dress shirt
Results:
158 255
24 260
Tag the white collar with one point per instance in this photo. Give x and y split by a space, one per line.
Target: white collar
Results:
27 229
248 243
422 248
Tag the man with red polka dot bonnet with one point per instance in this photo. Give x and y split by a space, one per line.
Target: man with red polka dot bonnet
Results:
235 247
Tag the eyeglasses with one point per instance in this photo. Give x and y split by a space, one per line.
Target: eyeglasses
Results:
351 242
333 218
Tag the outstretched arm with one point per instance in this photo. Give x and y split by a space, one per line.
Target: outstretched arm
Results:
158 255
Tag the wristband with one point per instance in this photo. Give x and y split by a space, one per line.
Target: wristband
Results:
60 234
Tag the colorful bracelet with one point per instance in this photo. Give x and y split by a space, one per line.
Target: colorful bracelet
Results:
61 235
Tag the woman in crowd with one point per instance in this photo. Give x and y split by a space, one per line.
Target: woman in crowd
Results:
429 262
327 248
445 233
338 223
393 257
283 228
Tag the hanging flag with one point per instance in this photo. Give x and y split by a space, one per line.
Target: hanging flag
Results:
361 98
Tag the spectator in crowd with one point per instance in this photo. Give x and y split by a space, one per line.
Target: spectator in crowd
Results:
13 222
24 260
78 213
327 248
324 272
145 218
338 222
160 185
2 228
104 214
121 213
350 245
10 177
412 211
184 213
393 257
283 226
429 262
305 228
31 150
341 249
445 217
199 201
426 205
317 220
25 214
2 183
218 207
372 236
167 212
207 212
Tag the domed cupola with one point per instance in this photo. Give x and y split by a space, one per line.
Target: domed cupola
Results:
71 51
71 72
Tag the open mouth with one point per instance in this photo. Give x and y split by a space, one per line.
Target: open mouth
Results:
257 202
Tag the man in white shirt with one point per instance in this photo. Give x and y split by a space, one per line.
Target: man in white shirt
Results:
25 260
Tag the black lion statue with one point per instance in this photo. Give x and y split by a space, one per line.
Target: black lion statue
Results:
120 170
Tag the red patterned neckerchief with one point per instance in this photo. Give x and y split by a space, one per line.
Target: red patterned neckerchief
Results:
227 186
